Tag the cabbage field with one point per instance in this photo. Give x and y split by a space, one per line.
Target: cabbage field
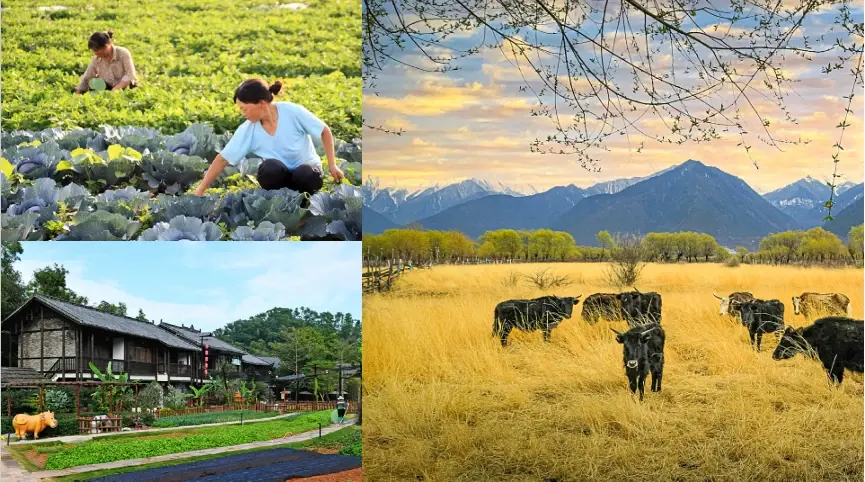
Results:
134 183
122 165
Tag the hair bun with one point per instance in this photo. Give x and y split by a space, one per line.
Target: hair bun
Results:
275 88
110 33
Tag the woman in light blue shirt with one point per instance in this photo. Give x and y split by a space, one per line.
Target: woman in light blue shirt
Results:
281 134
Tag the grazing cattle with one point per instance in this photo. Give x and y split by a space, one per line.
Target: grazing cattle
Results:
606 306
730 305
810 304
643 348
762 316
23 423
640 308
544 313
835 340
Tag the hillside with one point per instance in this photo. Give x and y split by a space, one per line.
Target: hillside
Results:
849 217
501 211
690 197
375 223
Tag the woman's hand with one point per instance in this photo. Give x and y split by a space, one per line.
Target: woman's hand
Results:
212 173
336 173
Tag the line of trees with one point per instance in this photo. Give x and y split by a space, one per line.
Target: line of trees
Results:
815 246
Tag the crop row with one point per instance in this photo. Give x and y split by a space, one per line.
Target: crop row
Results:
189 57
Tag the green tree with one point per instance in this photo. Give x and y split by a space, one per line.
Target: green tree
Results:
141 316
118 309
51 281
854 243
12 289
605 240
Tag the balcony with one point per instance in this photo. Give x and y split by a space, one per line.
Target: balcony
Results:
178 370
133 368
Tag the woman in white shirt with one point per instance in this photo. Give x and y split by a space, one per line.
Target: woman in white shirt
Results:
281 134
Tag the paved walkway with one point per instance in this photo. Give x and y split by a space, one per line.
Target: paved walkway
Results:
36 476
10 469
85 438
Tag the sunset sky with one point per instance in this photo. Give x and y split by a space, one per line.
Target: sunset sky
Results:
476 123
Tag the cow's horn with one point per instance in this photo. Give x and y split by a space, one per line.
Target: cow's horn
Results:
716 296
617 332
648 331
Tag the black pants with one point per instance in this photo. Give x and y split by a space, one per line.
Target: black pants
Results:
340 412
273 174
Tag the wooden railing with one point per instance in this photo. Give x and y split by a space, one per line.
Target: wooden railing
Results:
100 424
178 370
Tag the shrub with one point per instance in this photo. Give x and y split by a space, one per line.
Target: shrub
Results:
23 400
175 398
732 262
147 419
151 396
58 401
543 279
628 256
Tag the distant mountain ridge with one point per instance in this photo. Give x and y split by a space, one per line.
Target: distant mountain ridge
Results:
401 206
690 196
493 212
805 199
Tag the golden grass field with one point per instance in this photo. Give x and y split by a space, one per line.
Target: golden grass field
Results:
443 400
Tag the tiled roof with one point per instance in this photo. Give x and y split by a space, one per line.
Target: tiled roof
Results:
87 316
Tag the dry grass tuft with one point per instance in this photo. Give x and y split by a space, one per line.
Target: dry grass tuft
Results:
446 402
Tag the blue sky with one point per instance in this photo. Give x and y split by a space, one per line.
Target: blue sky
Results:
476 122
207 284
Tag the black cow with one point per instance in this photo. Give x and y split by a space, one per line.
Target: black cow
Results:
837 341
762 316
544 313
604 306
640 308
643 348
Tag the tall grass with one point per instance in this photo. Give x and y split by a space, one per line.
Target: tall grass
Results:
445 401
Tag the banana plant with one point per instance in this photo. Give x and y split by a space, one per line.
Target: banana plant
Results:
109 391
198 394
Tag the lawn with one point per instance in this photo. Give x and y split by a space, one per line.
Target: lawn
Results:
444 401
110 449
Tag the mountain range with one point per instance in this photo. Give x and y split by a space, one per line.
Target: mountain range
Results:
687 197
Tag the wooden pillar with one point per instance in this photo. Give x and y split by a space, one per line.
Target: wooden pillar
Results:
63 350
92 343
136 397
20 343
41 341
168 363
78 399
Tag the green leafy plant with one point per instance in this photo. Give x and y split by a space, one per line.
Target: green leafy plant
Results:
108 395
